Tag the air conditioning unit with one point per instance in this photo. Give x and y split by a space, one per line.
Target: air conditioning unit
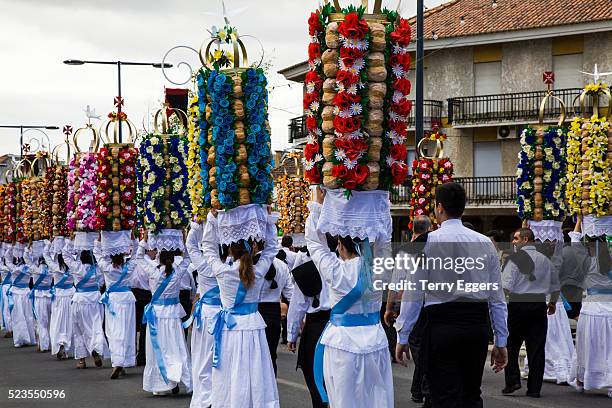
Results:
507 132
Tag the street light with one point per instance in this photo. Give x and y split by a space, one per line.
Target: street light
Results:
119 101
26 128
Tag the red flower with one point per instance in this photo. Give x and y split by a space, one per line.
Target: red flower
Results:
347 78
402 85
313 175
401 59
314 51
347 125
340 171
311 123
402 33
353 27
398 127
312 76
314 24
403 107
350 55
399 152
310 150
399 171
361 172
343 100
352 147
310 98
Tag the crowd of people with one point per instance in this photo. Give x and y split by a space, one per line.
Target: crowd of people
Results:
136 307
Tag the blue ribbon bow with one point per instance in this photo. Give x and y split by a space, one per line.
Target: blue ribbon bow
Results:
32 294
80 286
17 284
211 298
60 285
115 288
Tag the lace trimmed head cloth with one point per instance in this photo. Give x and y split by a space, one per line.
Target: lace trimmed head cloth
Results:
167 240
365 214
116 242
242 223
57 245
84 241
546 230
37 249
597 226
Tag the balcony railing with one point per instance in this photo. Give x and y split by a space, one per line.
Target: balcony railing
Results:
432 117
480 191
510 107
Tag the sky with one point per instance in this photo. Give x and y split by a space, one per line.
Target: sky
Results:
37 35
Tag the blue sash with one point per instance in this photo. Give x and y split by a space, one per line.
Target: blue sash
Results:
6 281
599 291
340 318
60 285
225 317
566 304
38 287
80 286
150 319
211 298
115 288
17 284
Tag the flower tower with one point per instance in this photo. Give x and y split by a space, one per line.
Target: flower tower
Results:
291 197
163 175
589 157
356 98
541 174
428 172
58 192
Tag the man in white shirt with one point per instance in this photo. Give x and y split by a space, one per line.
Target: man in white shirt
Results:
528 277
456 335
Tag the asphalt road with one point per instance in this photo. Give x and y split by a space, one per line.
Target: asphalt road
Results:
26 369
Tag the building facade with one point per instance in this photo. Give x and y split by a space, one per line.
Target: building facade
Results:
483 81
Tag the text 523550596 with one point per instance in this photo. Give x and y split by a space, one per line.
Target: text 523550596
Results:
36 394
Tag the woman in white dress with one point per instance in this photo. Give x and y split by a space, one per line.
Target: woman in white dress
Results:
87 312
40 294
17 296
206 306
119 302
168 361
353 353
592 366
60 330
242 374
5 282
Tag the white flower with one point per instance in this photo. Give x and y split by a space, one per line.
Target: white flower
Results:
154 141
310 87
345 114
390 161
355 109
318 157
308 164
350 164
340 154
314 106
398 70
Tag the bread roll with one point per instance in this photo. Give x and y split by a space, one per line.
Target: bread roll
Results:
374 150
332 39
378 37
377 74
377 91
211 156
244 179
331 70
238 109
374 123
328 113
244 197
214 200
329 91
330 56
329 147
328 126
240 133
241 154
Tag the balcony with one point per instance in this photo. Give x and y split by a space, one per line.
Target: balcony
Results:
511 108
432 118
497 191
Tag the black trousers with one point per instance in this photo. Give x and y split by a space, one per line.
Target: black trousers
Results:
143 297
185 299
527 322
573 295
271 315
455 342
418 388
313 328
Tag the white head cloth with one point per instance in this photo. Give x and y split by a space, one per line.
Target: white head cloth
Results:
597 226
167 240
366 214
116 242
84 241
18 250
298 239
244 222
546 230
57 245
37 249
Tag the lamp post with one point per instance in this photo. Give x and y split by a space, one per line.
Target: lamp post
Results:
119 64
420 54
26 128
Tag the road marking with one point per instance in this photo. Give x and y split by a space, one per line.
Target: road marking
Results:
292 384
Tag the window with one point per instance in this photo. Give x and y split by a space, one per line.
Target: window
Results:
567 71
487 159
487 78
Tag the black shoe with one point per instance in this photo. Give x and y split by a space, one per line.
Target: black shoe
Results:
511 388
427 403
176 390
417 398
533 394
141 362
